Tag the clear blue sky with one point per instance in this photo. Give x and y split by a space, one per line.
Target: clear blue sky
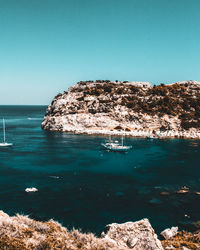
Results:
48 45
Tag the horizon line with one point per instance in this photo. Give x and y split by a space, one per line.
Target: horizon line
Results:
24 104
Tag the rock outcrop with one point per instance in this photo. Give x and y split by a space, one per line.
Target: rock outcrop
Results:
21 232
169 232
134 108
183 241
135 235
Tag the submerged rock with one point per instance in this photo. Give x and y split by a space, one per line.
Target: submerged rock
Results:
183 190
165 193
155 201
194 226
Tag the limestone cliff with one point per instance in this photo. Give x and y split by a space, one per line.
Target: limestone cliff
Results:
134 108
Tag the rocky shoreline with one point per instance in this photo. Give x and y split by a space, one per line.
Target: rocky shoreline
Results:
135 109
21 232
136 134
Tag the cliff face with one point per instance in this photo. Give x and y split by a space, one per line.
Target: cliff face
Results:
138 108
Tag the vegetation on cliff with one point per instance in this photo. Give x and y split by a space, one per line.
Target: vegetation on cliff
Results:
174 107
182 100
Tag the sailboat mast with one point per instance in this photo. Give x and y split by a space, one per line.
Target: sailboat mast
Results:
4 133
122 139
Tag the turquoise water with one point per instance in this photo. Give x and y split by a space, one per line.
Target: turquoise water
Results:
83 186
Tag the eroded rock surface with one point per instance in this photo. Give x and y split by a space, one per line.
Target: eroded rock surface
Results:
134 235
169 232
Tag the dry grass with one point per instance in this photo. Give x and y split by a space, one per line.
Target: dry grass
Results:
186 239
21 232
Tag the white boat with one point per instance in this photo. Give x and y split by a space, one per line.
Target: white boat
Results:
115 146
110 142
118 148
4 143
32 189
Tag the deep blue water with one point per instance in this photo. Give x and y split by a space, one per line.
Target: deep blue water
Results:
83 186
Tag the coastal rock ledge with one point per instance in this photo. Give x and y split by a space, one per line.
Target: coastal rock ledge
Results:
135 108
21 232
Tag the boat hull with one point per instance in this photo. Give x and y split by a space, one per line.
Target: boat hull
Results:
117 148
5 144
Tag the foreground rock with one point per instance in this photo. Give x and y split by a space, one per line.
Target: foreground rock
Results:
21 232
135 235
105 107
183 241
169 232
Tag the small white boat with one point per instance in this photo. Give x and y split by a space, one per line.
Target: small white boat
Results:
115 146
119 148
4 143
32 189
110 142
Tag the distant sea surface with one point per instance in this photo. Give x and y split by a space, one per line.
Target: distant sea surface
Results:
83 186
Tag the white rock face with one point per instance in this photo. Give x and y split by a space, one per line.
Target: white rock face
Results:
99 108
140 84
137 235
169 232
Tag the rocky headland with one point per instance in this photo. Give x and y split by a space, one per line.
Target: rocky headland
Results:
135 108
21 232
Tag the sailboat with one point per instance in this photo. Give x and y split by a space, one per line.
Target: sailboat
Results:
4 143
116 146
109 142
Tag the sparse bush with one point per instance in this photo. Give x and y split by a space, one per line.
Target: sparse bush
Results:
58 95
108 89
118 128
21 232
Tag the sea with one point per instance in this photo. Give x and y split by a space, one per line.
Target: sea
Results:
83 186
